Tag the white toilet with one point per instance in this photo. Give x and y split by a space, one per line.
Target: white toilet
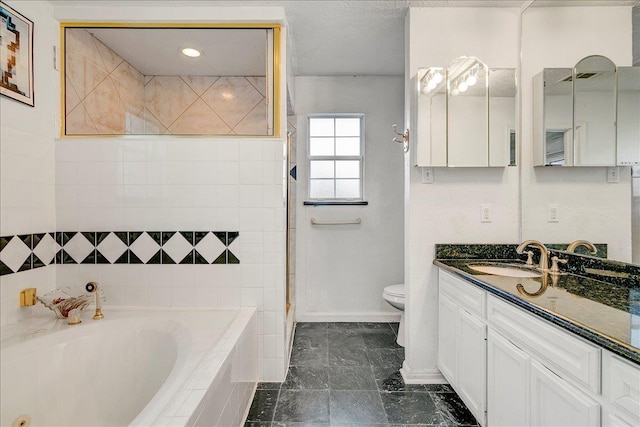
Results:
394 295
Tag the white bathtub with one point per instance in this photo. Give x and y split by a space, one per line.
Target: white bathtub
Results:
134 367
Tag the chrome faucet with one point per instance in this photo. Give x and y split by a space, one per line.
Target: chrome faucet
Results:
590 246
544 253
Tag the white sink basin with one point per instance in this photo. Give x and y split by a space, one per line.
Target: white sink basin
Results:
504 271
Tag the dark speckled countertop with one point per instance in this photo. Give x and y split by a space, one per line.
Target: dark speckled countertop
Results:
603 312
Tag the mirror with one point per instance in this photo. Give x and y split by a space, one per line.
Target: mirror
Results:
588 115
554 108
118 80
502 117
588 206
594 112
432 104
468 113
628 136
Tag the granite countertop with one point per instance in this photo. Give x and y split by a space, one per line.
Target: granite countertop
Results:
606 313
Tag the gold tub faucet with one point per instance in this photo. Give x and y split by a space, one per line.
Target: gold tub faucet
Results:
92 287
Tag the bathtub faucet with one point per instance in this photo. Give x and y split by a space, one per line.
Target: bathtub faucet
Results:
92 287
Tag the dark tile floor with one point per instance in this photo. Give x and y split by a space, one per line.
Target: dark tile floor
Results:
347 374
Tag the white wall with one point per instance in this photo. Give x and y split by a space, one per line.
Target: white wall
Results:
448 211
199 184
341 271
589 207
27 174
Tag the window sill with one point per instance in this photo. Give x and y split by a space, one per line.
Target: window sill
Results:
335 203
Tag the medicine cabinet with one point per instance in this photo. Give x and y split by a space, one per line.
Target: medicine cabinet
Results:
466 115
588 115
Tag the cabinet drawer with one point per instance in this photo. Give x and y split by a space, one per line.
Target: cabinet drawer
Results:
465 294
621 384
569 356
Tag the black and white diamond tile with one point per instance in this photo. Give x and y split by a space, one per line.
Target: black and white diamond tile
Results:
111 248
79 248
144 247
45 248
24 252
15 254
210 247
178 249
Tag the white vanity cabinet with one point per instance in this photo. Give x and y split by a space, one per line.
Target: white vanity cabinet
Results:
462 341
513 368
550 366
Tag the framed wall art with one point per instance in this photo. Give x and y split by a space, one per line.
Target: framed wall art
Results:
16 55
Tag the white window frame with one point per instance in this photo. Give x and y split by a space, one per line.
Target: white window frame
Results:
360 158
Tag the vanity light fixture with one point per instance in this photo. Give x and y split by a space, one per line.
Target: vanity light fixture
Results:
431 80
191 52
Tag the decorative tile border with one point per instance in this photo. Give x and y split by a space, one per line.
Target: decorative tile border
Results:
29 251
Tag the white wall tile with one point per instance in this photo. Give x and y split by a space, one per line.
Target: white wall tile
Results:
227 196
251 196
227 173
228 151
251 219
159 296
252 150
252 172
228 218
251 297
134 151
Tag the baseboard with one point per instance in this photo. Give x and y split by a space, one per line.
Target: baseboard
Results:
348 317
421 376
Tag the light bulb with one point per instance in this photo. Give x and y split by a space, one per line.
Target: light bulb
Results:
431 85
425 89
462 86
472 80
437 77
190 52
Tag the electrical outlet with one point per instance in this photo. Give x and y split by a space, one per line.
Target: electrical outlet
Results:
485 212
613 175
553 213
427 175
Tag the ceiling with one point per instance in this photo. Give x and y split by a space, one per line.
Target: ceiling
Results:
157 51
350 37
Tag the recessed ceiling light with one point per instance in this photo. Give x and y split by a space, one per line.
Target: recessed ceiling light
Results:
190 52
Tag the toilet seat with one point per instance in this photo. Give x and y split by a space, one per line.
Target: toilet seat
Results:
396 291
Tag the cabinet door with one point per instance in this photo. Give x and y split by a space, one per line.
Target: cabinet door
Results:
555 402
447 338
471 364
507 383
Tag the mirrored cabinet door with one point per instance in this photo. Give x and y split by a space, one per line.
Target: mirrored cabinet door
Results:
553 121
588 115
628 129
594 112
502 117
468 113
432 117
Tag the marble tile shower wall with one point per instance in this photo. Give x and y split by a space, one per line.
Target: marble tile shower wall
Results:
106 95
127 185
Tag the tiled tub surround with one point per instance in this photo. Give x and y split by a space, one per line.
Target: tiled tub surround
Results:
105 95
604 312
205 377
29 251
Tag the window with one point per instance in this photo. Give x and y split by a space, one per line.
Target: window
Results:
336 157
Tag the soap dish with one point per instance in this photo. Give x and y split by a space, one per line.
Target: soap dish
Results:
61 302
